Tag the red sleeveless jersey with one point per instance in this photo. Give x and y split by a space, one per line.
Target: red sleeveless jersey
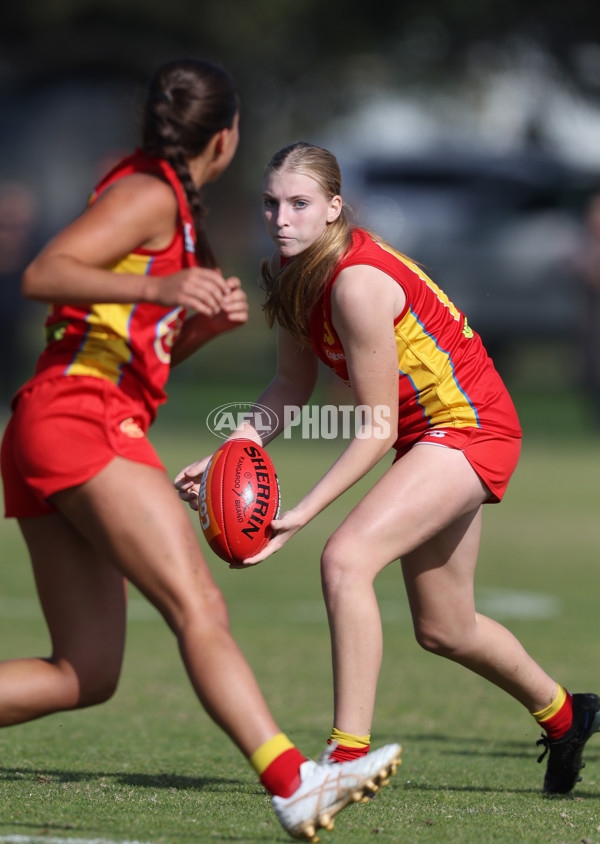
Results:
447 379
127 344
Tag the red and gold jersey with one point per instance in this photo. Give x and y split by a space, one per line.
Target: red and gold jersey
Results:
127 344
447 379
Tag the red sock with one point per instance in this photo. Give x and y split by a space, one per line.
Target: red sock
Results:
282 777
559 724
277 763
344 754
349 746
557 718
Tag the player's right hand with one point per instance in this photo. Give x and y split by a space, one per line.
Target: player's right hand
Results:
198 288
187 481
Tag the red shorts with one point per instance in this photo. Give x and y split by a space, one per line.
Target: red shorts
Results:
493 456
62 432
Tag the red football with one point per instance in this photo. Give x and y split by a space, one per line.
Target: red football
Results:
238 499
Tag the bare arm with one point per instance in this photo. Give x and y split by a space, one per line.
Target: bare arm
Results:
200 328
293 384
137 211
365 302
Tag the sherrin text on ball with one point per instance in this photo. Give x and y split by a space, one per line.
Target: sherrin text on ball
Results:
238 499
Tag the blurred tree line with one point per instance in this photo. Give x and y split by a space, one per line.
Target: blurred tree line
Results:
284 37
297 62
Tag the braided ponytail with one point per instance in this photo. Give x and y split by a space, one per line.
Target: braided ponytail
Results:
188 102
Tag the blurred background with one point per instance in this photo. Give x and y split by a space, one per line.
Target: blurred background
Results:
468 133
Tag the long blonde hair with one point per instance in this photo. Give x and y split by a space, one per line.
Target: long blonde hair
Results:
292 292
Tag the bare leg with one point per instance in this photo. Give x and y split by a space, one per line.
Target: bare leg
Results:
84 602
132 515
425 510
440 591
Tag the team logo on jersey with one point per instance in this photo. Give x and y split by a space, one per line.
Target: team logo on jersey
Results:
467 330
167 331
55 332
328 334
188 237
131 428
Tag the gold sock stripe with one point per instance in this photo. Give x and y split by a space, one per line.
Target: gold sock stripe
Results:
349 740
269 751
553 707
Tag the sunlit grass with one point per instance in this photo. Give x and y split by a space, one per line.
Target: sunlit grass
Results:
150 766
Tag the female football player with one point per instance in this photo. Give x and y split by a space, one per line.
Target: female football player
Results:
343 296
93 501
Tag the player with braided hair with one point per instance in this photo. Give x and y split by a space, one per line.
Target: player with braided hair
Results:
93 501
182 114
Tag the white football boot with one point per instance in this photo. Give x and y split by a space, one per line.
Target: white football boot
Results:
325 789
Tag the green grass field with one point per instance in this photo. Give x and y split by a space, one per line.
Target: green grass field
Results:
149 766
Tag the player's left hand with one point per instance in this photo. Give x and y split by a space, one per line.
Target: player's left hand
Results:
234 308
283 530
201 327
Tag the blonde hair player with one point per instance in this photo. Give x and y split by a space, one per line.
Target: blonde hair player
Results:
343 296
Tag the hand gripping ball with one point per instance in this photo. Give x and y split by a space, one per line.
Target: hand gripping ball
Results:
238 499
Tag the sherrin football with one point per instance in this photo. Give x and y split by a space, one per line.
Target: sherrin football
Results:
238 499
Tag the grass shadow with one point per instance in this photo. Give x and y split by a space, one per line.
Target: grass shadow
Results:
164 780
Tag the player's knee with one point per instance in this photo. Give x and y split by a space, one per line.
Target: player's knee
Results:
195 606
86 684
437 640
337 563
83 679
96 690
205 610
217 613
